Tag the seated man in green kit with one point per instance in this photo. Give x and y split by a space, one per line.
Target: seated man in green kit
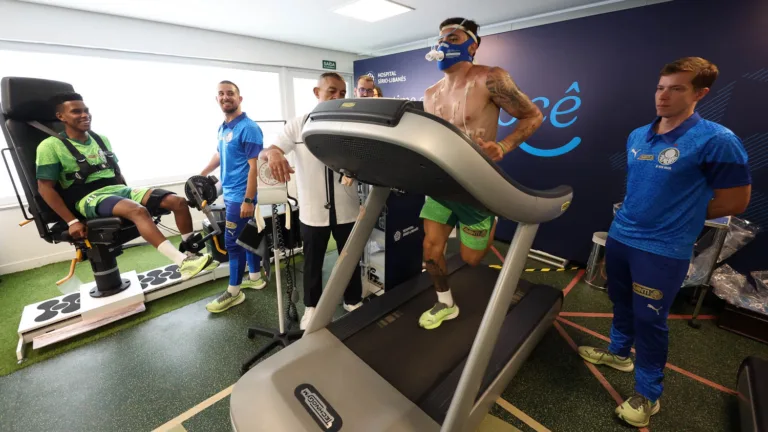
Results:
470 97
90 184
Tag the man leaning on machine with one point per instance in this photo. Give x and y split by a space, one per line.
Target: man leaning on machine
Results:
329 202
79 178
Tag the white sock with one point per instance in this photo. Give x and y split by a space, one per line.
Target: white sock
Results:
255 276
234 290
169 250
445 298
184 237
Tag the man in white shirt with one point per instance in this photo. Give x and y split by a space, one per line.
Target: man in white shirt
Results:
328 202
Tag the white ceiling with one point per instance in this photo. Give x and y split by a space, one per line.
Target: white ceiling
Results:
313 23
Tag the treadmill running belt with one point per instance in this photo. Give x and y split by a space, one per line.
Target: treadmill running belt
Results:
396 342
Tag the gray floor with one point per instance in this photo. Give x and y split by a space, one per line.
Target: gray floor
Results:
144 376
152 372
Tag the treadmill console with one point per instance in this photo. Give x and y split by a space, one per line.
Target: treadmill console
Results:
380 111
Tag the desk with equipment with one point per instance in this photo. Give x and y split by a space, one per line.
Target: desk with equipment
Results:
375 369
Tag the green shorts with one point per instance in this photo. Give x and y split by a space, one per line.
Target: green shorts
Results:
474 225
88 204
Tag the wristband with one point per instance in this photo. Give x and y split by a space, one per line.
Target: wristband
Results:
72 222
503 148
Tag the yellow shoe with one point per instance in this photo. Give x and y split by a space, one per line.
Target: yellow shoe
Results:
440 312
637 410
253 284
212 265
225 301
194 264
600 356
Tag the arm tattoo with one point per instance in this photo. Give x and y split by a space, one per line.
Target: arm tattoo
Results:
506 95
439 276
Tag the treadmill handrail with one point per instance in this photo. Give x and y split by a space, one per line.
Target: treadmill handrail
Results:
335 111
556 192
467 165
490 327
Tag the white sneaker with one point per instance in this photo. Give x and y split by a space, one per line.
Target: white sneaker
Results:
350 308
308 312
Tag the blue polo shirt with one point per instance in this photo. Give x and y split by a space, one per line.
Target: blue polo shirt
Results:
239 140
671 179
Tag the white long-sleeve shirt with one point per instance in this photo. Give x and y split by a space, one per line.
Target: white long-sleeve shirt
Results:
314 181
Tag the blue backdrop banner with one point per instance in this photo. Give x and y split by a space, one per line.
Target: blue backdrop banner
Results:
594 80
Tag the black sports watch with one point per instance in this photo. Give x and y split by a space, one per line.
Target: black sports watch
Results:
248 201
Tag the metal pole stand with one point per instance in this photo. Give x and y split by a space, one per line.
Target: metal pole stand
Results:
718 241
278 336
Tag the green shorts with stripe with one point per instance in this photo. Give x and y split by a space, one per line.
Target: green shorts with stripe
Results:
474 225
88 204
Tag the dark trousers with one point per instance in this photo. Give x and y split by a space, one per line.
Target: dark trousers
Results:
315 245
642 287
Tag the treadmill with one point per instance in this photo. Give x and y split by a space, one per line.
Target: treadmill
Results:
375 369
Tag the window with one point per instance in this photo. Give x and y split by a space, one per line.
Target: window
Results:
271 129
304 99
161 118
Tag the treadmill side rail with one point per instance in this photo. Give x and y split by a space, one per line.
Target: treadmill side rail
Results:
348 259
490 326
487 399
319 384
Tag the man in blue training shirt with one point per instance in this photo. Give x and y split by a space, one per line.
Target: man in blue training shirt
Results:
682 170
240 141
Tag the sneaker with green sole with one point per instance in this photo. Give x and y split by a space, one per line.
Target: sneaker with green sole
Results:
212 266
637 410
600 356
225 301
253 284
440 312
192 265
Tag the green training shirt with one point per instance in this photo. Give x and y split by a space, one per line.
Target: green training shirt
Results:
54 161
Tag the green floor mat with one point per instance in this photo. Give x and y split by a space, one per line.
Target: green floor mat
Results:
31 286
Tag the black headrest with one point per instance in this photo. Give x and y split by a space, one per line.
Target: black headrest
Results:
28 99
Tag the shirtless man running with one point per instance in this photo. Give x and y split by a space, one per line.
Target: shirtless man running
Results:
470 97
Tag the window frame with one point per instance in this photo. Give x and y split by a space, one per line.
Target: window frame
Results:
307 74
10 201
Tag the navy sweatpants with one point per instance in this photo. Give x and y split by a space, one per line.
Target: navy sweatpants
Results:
642 287
238 255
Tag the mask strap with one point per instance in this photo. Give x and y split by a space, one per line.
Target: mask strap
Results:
454 27
459 27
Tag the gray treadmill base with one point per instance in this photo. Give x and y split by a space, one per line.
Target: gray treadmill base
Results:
306 386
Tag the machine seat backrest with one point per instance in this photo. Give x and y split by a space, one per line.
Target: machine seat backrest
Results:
26 139
24 100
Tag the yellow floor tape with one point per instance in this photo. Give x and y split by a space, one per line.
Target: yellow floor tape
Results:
172 425
494 424
530 270
525 418
552 269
